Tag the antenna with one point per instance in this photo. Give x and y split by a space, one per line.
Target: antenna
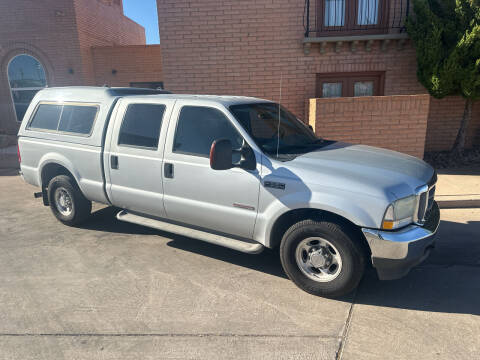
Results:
279 111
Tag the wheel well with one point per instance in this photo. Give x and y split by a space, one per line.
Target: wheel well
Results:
293 216
49 171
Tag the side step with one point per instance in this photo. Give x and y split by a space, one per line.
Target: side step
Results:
239 245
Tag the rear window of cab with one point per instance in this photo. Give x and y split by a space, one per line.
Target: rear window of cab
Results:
69 118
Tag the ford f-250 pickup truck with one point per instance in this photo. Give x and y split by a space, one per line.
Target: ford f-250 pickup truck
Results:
234 171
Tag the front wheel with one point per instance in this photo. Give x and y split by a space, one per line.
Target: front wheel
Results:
322 258
67 201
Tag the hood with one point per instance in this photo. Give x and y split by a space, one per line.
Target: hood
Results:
368 169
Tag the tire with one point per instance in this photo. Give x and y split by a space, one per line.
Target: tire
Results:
74 209
336 245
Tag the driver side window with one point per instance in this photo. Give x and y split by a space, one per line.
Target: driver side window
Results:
198 127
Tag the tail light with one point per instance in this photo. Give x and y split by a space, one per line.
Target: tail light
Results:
18 153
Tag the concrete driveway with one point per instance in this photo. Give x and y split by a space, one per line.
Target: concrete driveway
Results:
113 290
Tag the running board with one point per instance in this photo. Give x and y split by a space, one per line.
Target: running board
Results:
239 245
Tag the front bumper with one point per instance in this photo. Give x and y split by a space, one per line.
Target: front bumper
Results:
394 253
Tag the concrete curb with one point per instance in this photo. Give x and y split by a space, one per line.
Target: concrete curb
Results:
458 201
458 188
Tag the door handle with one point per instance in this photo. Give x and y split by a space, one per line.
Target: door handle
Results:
168 170
114 161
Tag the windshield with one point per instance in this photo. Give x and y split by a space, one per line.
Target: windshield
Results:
261 121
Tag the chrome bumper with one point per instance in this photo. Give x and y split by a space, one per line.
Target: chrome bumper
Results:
394 253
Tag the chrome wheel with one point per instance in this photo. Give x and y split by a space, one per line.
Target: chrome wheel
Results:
318 259
63 201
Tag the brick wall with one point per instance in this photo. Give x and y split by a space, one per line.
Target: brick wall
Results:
102 23
444 121
243 48
133 63
473 132
392 122
59 34
228 47
46 30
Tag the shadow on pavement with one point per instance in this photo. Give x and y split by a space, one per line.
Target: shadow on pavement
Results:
268 261
447 282
432 289
105 220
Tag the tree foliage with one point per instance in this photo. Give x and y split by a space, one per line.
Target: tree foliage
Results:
446 34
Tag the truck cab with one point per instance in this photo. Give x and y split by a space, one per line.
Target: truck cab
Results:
235 171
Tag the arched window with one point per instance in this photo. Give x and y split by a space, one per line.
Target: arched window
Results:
26 76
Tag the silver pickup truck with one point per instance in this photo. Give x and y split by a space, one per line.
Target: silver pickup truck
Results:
234 171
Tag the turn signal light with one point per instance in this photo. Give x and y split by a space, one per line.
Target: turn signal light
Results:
387 225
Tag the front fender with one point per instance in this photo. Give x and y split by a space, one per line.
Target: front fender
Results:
361 210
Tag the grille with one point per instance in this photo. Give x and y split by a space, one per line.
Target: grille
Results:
433 218
426 200
431 196
422 206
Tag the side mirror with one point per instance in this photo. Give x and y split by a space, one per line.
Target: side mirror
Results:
221 155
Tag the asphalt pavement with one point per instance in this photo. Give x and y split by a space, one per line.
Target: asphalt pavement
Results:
113 290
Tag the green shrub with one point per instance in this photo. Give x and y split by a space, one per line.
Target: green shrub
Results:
446 34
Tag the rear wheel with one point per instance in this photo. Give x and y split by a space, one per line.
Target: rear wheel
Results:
322 257
67 201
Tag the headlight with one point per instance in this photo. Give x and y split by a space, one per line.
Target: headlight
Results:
399 213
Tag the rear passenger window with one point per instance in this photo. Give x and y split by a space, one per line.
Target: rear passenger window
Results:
77 119
198 127
73 119
46 117
141 125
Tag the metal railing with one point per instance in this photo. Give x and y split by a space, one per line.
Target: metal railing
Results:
354 17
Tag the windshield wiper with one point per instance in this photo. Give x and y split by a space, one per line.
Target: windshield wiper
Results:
315 143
